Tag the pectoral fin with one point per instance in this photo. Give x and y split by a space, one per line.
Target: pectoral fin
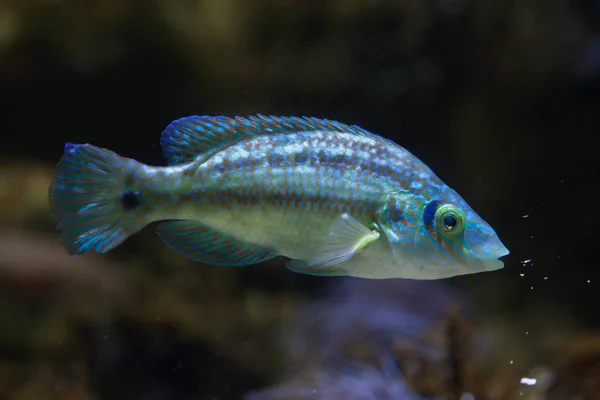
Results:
204 244
346 237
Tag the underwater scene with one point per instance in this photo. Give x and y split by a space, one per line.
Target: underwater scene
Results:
299 200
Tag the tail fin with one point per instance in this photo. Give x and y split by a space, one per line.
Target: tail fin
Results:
88 196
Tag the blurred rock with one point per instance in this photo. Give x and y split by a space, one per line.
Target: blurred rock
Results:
576 368
398 333
32 264
358 382
383 312
24 193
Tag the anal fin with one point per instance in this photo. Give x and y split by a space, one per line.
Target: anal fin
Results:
207 245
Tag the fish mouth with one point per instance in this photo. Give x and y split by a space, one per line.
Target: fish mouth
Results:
484 249
487 258
483 243
492 251
490 264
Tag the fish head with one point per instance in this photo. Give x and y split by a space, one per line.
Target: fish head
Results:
439 237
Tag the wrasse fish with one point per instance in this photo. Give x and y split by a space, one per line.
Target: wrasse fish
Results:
332 198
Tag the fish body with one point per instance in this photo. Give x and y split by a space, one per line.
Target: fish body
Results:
333 198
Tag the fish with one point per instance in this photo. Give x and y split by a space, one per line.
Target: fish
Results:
330 199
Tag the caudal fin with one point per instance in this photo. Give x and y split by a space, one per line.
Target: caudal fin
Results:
89 197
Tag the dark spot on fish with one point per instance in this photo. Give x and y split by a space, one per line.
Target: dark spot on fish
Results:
393 209
131 200
429 213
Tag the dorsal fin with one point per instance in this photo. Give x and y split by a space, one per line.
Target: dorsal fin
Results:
187 138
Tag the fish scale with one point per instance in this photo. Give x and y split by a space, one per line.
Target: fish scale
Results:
333 198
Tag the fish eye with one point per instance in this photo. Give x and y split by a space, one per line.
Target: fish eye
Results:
450 220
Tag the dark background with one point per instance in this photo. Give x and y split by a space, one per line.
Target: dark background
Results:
500 98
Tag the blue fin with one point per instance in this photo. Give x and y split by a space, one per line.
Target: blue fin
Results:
86 197
209 246
188 138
